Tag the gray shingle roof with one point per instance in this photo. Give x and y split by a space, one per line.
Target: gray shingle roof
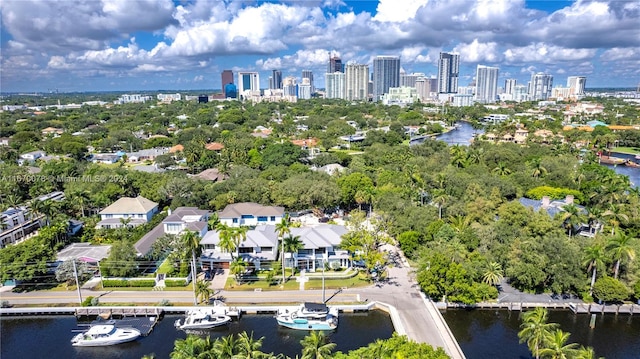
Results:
127 205
238 209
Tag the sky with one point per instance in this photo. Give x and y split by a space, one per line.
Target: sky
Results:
148 45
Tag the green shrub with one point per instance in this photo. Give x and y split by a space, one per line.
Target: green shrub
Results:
147 283
87 302
609 289
555 193
107 283
175 282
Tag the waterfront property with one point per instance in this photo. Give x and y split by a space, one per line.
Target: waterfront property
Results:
177 221
552 208
127 211
250 214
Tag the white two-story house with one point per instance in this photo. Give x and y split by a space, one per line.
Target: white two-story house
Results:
250 214
320 245
128 212
16 224
178 221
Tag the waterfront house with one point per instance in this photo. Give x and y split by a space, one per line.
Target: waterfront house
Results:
178 221
127 211
320 245
250 214
553 208
259 248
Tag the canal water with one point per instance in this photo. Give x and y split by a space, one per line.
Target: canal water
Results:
465 132
494 333
49 337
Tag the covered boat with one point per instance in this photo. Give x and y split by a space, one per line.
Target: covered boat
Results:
308 316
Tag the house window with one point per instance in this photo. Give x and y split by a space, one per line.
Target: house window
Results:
266 249
273 218
108 215
320 250
15 221
262 218
245 216
245 250
141 216
235 220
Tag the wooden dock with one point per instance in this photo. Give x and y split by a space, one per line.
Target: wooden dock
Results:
584 308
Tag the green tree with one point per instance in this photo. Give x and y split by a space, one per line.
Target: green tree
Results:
237 268
191 347
191 242
535 330
225 347
571 217
557 347
316 346
610 289
594 257
248 347
621 248
493 274
121 261
292 244
283 228
203 292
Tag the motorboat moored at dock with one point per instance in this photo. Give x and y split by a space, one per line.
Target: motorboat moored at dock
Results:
103 335
308 316
202 318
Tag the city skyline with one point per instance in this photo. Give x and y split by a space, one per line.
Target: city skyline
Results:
151 45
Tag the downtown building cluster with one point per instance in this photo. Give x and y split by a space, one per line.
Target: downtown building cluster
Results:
388 83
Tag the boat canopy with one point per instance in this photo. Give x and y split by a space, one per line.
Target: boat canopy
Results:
315 307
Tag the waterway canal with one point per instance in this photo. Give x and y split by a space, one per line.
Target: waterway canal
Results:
49 337
494 333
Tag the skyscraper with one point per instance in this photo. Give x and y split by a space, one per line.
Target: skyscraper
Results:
275 80
510 86
304 89
290 87
409 80
248 81
335 65
576 85
448 67
541 85
486 84
307 74
227 78
386 73
335 86
357 82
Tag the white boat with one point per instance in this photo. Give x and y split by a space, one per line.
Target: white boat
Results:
308 316
220 307
102 335
202 318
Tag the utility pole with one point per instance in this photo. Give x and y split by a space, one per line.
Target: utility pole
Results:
323 300
75 274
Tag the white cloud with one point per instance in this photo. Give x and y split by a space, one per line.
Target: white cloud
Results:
397 10
544 53
478 52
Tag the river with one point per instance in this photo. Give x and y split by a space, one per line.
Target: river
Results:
465 132
494 333
49 337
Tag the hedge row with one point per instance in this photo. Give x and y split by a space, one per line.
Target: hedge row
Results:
128 283
175 282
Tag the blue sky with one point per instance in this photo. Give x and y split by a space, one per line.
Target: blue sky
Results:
125 45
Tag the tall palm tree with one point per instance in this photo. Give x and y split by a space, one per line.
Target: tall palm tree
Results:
248 347
557 347
292 244
225 233
534 329
571 217
283 228
459 157
493 275
594 257
615 216
585 353
237 268
501 169
239 235
213 222
537 169
621 249
440 198
190 347
203 292
191 242
316 346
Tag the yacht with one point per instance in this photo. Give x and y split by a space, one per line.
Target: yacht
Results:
102 335
308 316
202 318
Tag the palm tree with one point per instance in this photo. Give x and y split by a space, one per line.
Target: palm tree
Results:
248 347
213 222
283 228
537 169
191 242
440 198
316 346
621 249
292 244
615 216
557 347
239 235
593 259
190 347
493 275
237 268
501 169
585 353
225 347
534 329
225 233
459 157
203 292
571 217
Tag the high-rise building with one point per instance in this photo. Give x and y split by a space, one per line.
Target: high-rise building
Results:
386 73
334 85
307 74
409 80
510 86
576 84
540 87
486 84
357 81
290 87
275 81
230 91
227 78
335 65
248 81
448 68
304 89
